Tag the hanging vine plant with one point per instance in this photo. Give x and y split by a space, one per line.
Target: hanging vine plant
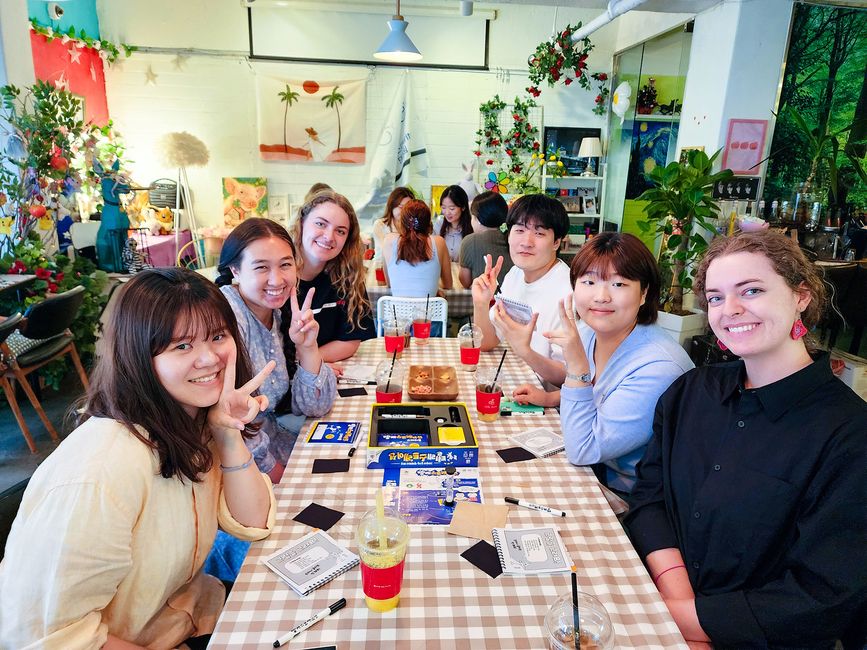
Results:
559 60
108 51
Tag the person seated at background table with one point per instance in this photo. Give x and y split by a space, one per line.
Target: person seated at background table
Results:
416 261
748 507
107 547
618 361
330 260
388 222
489 211
315 189
455 222
537 224
257 274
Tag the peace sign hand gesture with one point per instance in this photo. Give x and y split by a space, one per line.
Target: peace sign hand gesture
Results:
567 336
237 407
303 328
485 285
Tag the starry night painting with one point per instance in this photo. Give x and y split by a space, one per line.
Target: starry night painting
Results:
651 142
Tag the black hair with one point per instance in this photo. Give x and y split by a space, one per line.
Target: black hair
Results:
539 210
458 196
490 208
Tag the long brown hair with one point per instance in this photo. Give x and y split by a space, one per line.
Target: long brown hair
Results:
784 255
124 385
458 196
397 195
346 270
415 244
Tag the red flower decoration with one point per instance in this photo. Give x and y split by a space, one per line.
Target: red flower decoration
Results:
536 146
477 153
489 161
42 274
602 76
58 277
598 99
567 82
52 287
18 267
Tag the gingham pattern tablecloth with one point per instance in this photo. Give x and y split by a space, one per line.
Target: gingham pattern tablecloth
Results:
460 300
446 602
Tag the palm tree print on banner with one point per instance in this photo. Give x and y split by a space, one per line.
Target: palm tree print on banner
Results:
333 101
288 97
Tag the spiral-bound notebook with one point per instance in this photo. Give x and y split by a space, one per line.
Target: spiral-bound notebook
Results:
531 551
540 442
310 562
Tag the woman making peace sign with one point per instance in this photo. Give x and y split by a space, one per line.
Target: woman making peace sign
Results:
260 256
109 541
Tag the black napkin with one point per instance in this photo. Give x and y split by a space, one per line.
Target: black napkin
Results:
330 465
515 454
317 516
352 392
484 556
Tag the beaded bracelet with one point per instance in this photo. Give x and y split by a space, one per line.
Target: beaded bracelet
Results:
662 573
237 468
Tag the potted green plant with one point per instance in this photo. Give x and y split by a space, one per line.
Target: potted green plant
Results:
679 206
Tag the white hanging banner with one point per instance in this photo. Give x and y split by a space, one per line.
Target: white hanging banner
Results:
400 151
311 121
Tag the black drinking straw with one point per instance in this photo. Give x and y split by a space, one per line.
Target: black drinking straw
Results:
426 301
394 311
390 370
576 625
497 374
472 333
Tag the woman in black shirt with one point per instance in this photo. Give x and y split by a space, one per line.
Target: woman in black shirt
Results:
749 505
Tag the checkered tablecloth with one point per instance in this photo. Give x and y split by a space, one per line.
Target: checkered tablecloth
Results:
460 300
446 602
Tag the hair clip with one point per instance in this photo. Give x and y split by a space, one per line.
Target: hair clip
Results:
503 227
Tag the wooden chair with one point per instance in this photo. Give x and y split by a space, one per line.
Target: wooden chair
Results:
48 323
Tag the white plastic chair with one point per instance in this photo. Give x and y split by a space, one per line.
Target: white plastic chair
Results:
437 311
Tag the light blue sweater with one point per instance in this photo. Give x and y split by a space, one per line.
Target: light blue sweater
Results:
612 420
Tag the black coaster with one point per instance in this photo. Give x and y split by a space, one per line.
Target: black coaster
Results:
484 556
317 516
515 454
330 465
352 392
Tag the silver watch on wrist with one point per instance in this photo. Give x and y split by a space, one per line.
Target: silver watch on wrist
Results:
585 378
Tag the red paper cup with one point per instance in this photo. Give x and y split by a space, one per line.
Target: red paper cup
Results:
394 344
389 398
488 405
421 329
379 273
470 356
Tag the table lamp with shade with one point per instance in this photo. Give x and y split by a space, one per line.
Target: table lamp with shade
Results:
590 148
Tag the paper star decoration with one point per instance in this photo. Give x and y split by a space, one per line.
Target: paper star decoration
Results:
150 76
62 83
92 72
74 55
180 61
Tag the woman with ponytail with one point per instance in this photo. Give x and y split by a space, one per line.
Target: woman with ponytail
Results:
416 261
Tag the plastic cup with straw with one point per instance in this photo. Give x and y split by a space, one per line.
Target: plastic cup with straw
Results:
469 342
421 324
576 622
382 541
393 373
488 393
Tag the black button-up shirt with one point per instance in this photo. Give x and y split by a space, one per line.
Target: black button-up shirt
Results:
764 491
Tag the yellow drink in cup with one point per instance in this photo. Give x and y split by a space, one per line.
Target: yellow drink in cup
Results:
488 394
382 567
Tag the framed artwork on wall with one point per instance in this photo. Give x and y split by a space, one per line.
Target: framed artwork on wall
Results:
568 138
745 146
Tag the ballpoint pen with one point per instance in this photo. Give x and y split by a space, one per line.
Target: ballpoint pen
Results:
535 506
318 616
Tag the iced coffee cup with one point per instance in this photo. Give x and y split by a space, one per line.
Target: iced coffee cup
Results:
389 381
595 630
395 334
382 565
488 394
470 342
421 326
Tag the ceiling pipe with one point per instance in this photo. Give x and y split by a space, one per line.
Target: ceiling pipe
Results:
615 8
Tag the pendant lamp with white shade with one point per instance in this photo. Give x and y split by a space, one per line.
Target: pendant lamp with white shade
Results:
397 46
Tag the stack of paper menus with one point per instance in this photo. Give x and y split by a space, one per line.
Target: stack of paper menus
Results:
531 551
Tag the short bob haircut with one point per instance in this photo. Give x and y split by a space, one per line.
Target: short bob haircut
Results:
125 386
490 208
786 258
534 210
627 256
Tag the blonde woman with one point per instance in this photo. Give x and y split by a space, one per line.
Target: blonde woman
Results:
330 261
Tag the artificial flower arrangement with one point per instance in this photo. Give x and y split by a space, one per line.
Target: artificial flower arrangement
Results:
506 155
646 100
108 51
559 60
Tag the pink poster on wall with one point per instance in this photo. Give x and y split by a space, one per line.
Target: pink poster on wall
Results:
745 146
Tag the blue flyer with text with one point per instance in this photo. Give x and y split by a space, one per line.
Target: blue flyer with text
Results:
418 493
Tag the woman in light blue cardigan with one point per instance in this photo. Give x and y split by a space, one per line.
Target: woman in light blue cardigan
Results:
618 361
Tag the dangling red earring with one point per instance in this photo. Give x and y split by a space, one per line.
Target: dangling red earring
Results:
721 345
799 330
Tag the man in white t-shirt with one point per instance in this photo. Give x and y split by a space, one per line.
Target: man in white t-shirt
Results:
537 224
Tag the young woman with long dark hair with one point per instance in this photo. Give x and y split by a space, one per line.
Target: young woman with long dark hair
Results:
456 221
107 547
